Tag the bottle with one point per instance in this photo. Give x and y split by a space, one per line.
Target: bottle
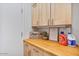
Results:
71 40
63 39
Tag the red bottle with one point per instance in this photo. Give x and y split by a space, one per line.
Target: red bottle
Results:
63 39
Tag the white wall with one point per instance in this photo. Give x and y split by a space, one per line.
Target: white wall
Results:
12 24
0 25
27 16
10 20
75 21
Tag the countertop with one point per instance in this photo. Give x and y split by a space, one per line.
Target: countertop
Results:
53 47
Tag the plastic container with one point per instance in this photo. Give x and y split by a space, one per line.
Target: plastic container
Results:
63 39
71 40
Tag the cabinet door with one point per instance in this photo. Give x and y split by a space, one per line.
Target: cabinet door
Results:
68 14
52 12
36 51
35 14
27 51
45 14
60 14
48 54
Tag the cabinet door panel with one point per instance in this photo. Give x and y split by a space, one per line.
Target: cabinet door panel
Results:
60 14
39 14
68 13
35 14
47 54
52 12
27 51
45 14
35 51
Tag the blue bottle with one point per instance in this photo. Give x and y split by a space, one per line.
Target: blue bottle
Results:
71 40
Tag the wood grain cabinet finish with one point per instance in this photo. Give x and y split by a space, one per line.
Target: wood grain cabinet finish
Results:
45 14
27 51
69 13
35 14
50 14
30 50
62 14
36 51
40 14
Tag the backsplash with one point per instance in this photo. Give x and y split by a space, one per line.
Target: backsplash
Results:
53 32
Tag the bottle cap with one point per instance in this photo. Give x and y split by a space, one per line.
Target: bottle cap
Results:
69 33
62 32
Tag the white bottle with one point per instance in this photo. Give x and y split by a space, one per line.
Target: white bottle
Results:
71 40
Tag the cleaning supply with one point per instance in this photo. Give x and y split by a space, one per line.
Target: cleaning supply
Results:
63 39
71 40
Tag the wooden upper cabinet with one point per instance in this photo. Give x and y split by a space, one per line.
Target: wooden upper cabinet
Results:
40 14
68 14
35 14
60 14
52 12
45 14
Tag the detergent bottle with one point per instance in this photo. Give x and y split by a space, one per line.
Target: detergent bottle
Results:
63 39
71 40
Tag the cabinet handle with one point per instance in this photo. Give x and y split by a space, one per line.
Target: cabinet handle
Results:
37 22
35 50
48 22
52 22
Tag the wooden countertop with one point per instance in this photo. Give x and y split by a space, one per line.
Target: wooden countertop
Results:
53 47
